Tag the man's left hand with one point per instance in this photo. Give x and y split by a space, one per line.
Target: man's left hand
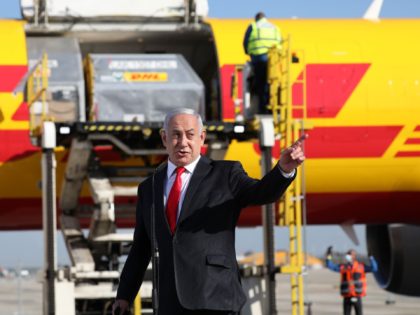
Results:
293 156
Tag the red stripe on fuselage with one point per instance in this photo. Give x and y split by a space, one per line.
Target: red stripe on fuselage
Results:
10 77
323 208
412 141
408 154
345 142
22 113
340 208
364 207
26 213
15 145
350 142
328 87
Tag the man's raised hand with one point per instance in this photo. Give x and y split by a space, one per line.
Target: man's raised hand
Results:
293 156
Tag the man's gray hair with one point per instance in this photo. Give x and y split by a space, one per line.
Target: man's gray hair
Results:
180 111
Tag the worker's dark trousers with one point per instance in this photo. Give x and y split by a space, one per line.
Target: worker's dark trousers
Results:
348 303
261 85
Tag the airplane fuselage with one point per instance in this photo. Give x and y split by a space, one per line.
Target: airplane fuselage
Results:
362 93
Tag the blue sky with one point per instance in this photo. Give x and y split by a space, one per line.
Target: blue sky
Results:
26 247
284 9
312 8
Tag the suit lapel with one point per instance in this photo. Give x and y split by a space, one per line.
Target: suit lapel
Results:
201 170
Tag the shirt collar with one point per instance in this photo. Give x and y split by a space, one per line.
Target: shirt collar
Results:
190 167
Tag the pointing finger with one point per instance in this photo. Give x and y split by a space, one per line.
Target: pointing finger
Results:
300 140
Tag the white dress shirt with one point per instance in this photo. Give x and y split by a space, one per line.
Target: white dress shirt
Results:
185 180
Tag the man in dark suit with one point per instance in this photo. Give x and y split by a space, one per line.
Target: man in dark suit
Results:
197 205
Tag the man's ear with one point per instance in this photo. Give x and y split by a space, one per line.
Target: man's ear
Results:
163 137
203 136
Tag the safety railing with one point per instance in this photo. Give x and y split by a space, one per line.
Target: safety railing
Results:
36 95
287 130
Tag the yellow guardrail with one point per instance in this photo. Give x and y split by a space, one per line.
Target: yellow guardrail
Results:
137 305
288 130
36 92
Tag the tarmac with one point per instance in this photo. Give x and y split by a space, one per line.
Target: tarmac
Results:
321 288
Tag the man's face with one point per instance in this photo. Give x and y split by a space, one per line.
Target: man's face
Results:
183 140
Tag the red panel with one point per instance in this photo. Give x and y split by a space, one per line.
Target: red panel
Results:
26 213
10 77
22 113
417 128
408 154
328 87
227 102
275 152
344 142
297 113
228 111
106 153
297 93
323 208
240 87
412 141
369 208
338 208
20 214
15 145
350 142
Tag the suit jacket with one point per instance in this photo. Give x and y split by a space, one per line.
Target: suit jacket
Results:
199 262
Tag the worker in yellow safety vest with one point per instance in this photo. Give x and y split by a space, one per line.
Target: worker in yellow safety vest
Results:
353 279
260 36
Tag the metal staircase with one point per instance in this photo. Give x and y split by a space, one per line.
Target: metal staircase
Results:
287 130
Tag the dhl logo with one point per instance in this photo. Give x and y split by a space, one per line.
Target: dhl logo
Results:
328 88
145 76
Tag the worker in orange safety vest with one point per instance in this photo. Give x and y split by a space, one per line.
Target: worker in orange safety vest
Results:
353 279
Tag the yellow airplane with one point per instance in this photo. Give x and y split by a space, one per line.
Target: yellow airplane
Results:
362 91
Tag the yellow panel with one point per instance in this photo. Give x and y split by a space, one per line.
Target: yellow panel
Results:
9 104
387 95
12 40
21 178
228 36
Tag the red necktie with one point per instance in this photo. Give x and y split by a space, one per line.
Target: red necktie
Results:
173 199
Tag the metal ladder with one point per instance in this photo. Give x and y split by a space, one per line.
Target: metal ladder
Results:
288 130
36 94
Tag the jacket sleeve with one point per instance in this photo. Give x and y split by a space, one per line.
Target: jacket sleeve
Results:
138 259
332 266
249 191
